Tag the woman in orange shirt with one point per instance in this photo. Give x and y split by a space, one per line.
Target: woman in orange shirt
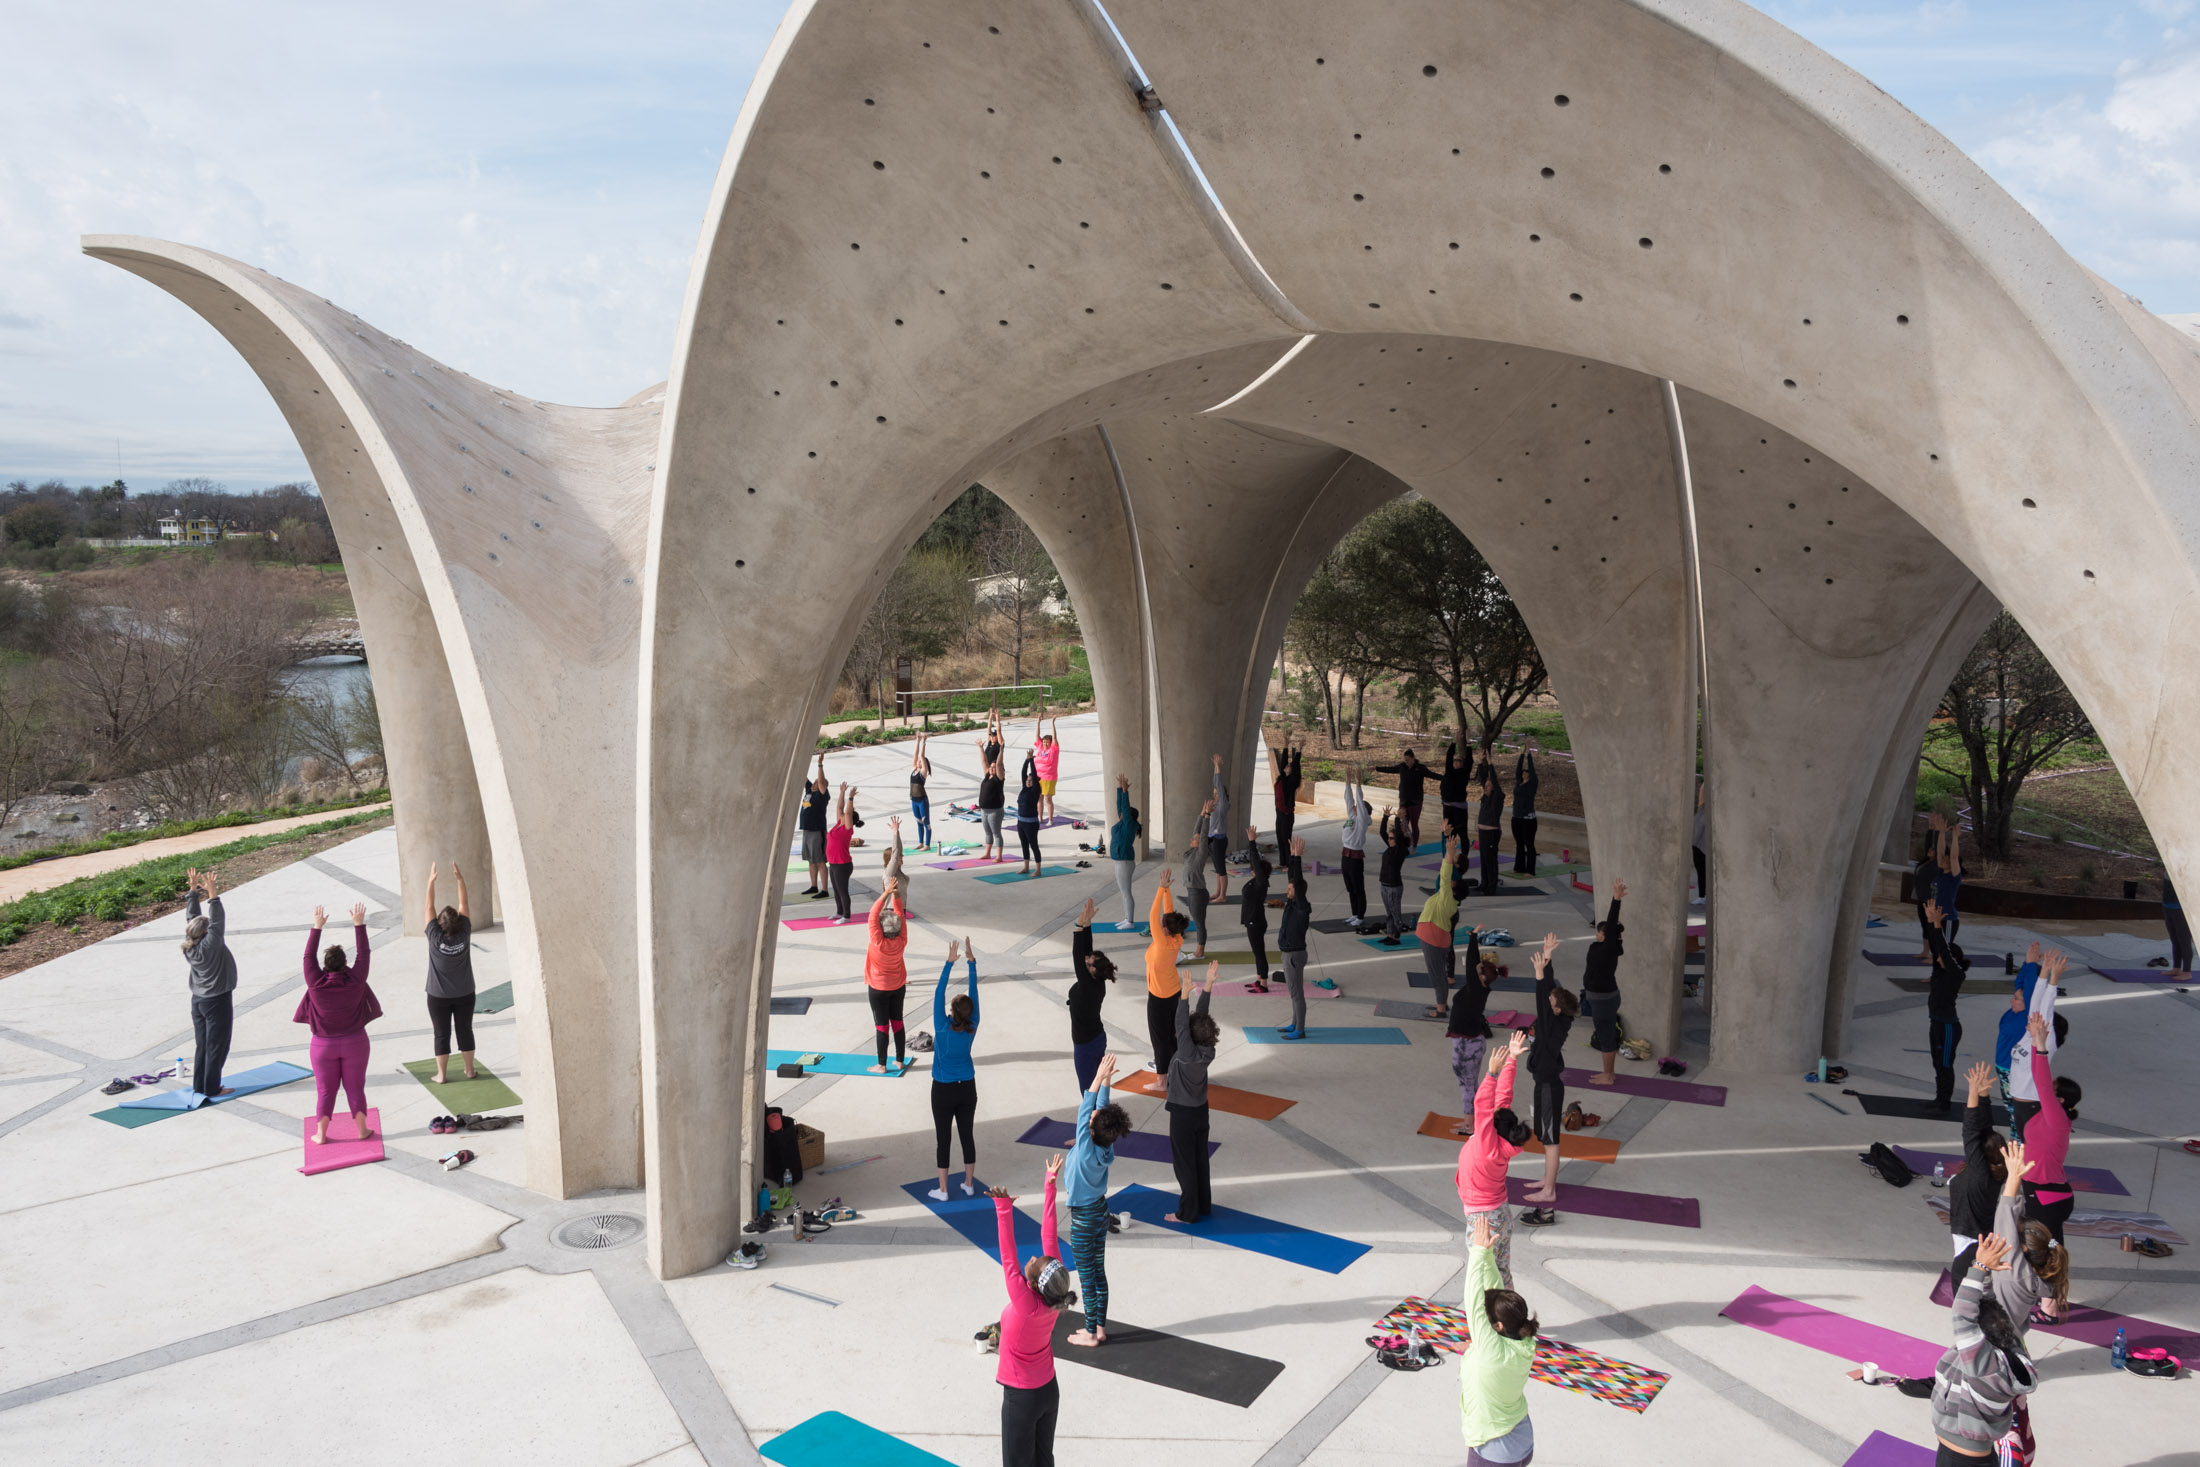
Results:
886 975
1167 926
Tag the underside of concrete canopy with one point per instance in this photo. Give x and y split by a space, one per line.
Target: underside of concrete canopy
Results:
1758 395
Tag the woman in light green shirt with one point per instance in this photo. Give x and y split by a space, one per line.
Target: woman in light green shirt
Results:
1493 1378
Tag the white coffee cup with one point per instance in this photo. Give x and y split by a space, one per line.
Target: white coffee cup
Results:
1871 1373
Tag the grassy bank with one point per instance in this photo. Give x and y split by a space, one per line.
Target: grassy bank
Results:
116 840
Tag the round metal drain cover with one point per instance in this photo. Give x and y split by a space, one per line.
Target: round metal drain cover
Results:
605 1230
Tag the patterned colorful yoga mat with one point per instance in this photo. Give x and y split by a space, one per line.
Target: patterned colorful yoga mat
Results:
1556 1362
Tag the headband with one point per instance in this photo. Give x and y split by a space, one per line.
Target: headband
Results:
1052 1269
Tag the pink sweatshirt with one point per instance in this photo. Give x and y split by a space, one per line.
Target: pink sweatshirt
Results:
1048 758
1027 1324
2047 1137
1486 1155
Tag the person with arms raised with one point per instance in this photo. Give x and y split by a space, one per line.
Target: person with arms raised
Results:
213 980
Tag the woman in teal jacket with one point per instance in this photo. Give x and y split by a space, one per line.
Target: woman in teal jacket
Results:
1123 849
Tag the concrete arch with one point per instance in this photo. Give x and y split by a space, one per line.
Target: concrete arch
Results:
493 544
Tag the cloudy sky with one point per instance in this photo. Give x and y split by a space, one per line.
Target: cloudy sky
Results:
515 185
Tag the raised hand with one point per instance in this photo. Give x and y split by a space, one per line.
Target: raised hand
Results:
1519 1043
1298 845
1993 1252
1001 1193
2057 961
894 821
191 878
456 874
1084 918
954 950
1218 763
320 918
1481 1230
1122 781
1619 891
1214 971
1550 946
2014 1158
2032 953
2037 1028
1980 1077
1054 1166
1933 914
358 914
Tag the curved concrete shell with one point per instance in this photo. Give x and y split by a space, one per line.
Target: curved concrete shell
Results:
1758 395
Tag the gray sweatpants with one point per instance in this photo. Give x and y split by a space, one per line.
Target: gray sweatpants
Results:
1124 871
991 820
1294 978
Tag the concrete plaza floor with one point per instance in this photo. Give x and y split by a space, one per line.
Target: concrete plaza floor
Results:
179 1292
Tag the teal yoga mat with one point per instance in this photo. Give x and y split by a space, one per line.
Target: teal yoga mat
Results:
1001 878
1369 1035
130 1120
830 1439
493 1000
1407 943
831 1064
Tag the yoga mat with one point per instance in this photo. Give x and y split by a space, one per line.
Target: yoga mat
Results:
1168 1360
836 1064
1406 943
811 924
1882 1450
1836 1334
2140 975
130 1120
343 1148
2083 1178
1995 987
996 878
1102 929
1266 1236
493 1000
1391 1008
465 1097
1573 1145
2090 1326
1418 978
1508 1019
241 1084
1219 1097
1914 1108
1673 1212
1556 1362
798 1005
1137 1145
1334 925
1655 1088
1371 1034
972 1217
2092 1222
830 1439
1896 960
963 865
1243 988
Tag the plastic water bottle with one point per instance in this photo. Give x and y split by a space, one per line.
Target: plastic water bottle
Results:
2117 1353
1940 1174
183 1068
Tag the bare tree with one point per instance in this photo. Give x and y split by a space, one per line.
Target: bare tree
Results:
324 726
1020 583
2011 713
920 611
365 717
32 751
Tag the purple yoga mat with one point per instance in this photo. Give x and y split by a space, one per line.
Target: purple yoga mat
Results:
2140 975
1882 1450
1674 1212
1137 1145
1836 1334
1897 960
2083 1178
1652 1087
2091 1326
962 865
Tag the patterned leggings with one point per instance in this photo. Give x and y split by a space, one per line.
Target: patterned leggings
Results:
1466 1064
1088 1246
1501 1239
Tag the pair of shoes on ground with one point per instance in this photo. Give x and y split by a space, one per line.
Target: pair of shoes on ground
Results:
1577 1119
1672 1066
748 1255
116 1086
939 1195
1538 1217
2151 1247
445 1125
1391 942
1290 1031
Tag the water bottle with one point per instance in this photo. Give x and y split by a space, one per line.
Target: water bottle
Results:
1940 1174
183 1068
2117 1353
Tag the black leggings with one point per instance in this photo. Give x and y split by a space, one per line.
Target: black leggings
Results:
885 1015
1257 938
1027 836
1355 881
1941 1038
443 1012
1703 872
1027 1424
956 1102
1287 817
1524 834
2180 940
1161 1030
838 873
2052 1214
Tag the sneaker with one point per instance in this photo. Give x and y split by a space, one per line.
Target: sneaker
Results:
1538 1217
1126 926
840 921
1353 923
748 1255
116 1086
1325 983
937 1194
809 891
1390 942
815 895
1290 1032
968 1190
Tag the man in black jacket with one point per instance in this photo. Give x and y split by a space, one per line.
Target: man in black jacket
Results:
1411 774
1391 876
1525 783
1943 1029
1291 939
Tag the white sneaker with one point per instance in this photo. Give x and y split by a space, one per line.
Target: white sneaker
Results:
1353 923
968 1190
1126 926
840 921
937 1194
1695 901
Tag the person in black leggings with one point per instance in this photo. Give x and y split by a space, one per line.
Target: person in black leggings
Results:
1943 1029
1487 826
2180 933
450 976
1253 910
1412 773
1027 818
1452 785
1287 797
1390 877
1525 783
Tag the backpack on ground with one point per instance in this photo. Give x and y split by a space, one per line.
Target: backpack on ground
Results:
1891 1168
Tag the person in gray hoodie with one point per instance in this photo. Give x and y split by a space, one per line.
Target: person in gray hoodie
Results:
1196 1034
213 981
1979 1380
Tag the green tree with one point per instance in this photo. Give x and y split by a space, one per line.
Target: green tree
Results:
2011 713
37 526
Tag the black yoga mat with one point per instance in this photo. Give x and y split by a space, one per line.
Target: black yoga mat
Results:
1369 927
1916 1108
1996 986
1168 1360
795 1005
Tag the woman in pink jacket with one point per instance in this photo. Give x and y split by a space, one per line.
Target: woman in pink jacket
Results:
1038 1291
1498 1137
2047 1194
338 1005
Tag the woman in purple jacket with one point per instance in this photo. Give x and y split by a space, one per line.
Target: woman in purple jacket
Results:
338 1005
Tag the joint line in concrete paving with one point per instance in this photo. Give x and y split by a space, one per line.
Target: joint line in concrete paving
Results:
382 895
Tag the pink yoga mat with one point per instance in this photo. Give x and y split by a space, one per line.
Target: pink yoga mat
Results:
811 924
2093 1326
1509 1019
1882 1450
1654 1088
343 1147
1836 1334
964 864
1674 1212
1240 988
2140 975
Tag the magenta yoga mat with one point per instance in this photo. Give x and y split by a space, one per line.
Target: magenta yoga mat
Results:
1673 1212
2083 1178
811 924
2093 1326
1836 1334
2140 975
963 865
1653 1088
1882 1450
343 1147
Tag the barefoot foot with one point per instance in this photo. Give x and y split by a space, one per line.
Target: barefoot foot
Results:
1603 1080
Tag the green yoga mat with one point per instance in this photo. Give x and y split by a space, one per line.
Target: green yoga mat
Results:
132 1119
493 1000
463 1096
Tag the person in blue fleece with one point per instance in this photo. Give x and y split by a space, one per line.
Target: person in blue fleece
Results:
954 1077
1100 1124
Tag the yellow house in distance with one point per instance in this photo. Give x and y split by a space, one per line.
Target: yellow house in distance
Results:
179 531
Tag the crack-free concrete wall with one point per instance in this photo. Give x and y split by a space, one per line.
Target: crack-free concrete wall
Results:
493 545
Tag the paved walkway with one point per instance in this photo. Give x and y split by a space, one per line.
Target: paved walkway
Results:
156 1279
24 880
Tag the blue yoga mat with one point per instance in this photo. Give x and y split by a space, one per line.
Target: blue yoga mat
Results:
999 878
830 1439
831 1064
1407 943
1263 1235
248 1082
1137 1145
1102 929
1381 1034
972 1217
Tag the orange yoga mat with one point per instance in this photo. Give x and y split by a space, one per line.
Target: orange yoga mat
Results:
1219 1097
1574 1145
